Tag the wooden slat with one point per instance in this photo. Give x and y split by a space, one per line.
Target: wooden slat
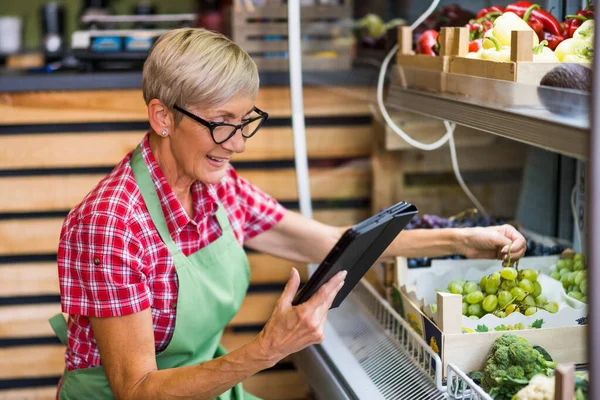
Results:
256 309
276 385
68 150
503 155
32 320
266 46
232 340
499 199
279 11
32 279
128 105
42 393
347 182
41 235
30 236
63 192
268 269
428 130
48 360
32 361
27 321
36 279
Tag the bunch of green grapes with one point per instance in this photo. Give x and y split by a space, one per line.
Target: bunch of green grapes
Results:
516 327
572 273
503 293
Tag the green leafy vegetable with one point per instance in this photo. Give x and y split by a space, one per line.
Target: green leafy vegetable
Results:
544 353
510 366
538 324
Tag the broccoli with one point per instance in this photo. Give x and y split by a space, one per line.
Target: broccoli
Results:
510 366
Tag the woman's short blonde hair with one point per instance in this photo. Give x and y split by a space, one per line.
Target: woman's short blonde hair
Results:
194 66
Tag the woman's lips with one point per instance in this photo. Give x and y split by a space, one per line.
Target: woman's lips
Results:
217 161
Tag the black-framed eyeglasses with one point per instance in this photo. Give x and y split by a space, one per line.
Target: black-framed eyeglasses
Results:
222 132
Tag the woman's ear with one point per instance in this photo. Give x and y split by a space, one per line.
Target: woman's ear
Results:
159 116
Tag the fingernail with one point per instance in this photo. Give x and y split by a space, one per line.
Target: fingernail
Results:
344 274
504 249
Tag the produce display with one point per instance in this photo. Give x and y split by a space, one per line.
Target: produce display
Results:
542 387
571 271
516 370
502 293
490 34
469 219
510 366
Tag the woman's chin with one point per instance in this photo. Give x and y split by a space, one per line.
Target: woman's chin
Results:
211 177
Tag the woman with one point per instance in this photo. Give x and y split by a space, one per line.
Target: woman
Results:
151 262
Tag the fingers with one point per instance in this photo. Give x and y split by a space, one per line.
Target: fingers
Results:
518 246
328 291
290 289
322 310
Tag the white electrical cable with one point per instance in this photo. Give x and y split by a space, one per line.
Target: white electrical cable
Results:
447 137
380 82
450 128
576 217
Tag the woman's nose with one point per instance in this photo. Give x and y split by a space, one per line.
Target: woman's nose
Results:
237 143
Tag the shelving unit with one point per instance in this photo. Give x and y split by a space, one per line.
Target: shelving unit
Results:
370 332
513 110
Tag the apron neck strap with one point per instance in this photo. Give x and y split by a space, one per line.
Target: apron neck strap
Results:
148 190
146 185
222 219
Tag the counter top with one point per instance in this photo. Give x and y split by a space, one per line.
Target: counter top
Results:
19 81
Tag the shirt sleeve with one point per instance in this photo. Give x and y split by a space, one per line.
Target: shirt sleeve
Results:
261 211
99 266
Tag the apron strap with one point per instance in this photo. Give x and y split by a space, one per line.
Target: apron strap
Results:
59 326
148 190
146 185
223 219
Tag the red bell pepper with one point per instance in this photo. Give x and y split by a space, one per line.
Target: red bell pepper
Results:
550 23
574 21
475 45
488 11
426 42
533 22
478 29
553 40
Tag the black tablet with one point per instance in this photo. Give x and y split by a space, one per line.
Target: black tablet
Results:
357 250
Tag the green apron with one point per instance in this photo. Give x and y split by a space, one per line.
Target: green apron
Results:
212 284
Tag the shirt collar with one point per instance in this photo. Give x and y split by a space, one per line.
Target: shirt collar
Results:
204 197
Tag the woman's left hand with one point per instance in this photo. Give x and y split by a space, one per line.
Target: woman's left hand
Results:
493 242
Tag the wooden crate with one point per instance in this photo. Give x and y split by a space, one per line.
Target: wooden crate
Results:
469 351
521 69
327 39
425 72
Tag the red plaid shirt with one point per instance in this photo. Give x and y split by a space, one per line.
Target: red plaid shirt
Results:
112 262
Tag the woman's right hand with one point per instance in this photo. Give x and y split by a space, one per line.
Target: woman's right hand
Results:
293 328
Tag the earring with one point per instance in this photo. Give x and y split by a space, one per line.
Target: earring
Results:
164 132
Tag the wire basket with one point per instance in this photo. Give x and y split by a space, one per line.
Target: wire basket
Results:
422 356
461 387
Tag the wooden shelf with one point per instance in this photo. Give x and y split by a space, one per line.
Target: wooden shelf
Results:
516 111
